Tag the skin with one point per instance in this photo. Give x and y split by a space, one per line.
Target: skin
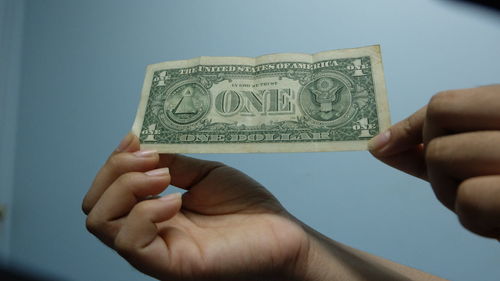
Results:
225 227
228 227
453 144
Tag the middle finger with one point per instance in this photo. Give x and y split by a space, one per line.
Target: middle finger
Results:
453 158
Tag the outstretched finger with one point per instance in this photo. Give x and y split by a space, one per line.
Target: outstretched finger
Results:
126 158
401 146
104 220
139 240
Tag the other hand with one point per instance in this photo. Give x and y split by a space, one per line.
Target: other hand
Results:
454 143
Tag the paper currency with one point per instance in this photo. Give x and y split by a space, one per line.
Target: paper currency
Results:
328 101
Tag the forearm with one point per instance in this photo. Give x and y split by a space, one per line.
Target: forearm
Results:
329 260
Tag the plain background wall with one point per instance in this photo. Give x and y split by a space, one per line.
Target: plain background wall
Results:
83 68
11 27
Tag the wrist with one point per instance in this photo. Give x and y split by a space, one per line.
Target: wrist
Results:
328 260
315 261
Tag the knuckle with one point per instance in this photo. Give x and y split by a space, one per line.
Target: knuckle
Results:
445 96
123 246
115 162
442 196
438 104
93 224
408 126
467 220
211 168
215 165
470 214
466 204
434 152
465 193
127 178
217 169
142 209
103 230
86 207
121 163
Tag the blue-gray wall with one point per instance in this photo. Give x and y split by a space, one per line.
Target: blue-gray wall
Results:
82 71
11 27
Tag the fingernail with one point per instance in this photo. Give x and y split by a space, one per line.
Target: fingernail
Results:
379 141
124 143
145 153
158 172
171 197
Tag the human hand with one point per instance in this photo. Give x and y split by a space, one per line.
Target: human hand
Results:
225 227
453 143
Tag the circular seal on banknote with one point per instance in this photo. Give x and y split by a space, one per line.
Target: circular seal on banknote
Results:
186 103
327 100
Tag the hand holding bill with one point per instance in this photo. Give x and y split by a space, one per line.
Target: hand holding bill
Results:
225 227
454 143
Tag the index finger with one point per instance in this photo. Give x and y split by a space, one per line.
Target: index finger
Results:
464 110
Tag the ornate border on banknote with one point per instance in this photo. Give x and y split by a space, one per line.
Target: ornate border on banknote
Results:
328 101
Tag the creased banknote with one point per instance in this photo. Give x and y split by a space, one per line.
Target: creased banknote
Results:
328 101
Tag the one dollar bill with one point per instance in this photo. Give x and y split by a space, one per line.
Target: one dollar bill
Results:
328 101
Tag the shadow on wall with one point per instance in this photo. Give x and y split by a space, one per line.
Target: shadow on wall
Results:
15 273
484 3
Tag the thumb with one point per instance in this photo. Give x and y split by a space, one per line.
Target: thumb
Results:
401 145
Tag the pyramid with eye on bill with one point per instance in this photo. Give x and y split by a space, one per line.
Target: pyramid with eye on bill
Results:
186 104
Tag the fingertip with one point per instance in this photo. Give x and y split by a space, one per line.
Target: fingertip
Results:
380 142
134 144
171 197
158 210
160 178
172 203
159 172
